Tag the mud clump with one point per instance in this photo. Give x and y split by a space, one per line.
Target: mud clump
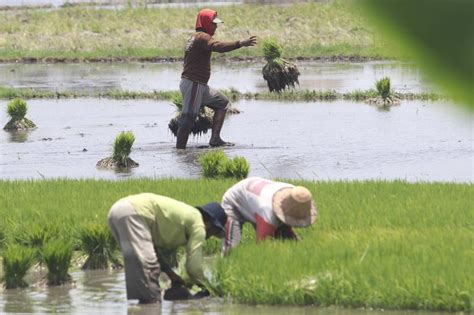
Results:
111 163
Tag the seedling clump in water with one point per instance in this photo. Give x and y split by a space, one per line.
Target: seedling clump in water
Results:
17 260
385 96
57 255
216 164
202 123
17 109
121 151
279 73
99 245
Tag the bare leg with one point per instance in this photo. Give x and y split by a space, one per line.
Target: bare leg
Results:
182 138
218 121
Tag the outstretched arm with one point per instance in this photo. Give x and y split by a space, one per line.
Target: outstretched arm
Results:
218 46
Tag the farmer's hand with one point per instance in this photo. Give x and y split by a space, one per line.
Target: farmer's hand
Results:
201 294
175 279
252 41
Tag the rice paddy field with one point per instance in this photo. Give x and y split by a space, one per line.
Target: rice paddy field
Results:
376 244
393 185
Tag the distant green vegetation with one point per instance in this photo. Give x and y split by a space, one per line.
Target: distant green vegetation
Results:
91 34
391 245
293 95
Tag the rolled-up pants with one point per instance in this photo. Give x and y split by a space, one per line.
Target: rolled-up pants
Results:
141 264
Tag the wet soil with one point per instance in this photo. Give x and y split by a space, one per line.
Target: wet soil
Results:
416 141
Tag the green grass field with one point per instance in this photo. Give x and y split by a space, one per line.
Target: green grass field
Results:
391 245
309 30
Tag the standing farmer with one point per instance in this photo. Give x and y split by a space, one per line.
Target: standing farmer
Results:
196 73
273 208
149 228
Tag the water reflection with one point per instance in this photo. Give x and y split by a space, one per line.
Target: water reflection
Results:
17 301
58 298
18 136
244 76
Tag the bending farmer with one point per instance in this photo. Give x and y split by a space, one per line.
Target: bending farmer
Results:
196 73
272 207
149 228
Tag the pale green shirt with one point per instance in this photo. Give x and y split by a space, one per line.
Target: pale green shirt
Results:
173 224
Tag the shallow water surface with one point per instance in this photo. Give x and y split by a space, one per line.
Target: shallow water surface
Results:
243 76
417 141
103 292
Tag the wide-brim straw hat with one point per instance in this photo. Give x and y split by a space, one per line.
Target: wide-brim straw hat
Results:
295 206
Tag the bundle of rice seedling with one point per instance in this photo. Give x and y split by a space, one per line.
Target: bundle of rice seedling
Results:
99 246
238 168
57 256
121 151
212 163
17 109
278 72
385 96
17 260
35 236
216 164
202 123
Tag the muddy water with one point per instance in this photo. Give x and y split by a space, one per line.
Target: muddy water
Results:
103 292
417 141
244 76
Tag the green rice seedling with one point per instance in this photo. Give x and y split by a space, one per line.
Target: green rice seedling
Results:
385 96
202 123
238 168
57 256
99 246
122 148
216 164
383 87
35 236
17 109
213 163
17 260
279 73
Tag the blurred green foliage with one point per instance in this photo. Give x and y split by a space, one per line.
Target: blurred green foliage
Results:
437 34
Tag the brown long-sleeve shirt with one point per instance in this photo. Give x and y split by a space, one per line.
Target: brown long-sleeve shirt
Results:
197 57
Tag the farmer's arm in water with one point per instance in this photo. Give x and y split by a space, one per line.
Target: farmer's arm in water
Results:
218 46
174 277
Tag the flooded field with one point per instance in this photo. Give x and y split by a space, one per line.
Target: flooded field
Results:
103 292
417 141
243 76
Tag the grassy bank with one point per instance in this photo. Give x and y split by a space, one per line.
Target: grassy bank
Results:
295 95
375 244
88 34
